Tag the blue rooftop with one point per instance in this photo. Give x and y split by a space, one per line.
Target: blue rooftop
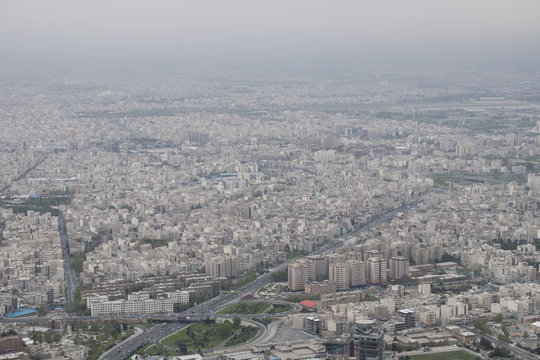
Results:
21 312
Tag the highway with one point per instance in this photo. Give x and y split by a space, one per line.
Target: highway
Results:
331 246
240 347
24 173
69 274
514 350
390 214
138 331
154 334
158 332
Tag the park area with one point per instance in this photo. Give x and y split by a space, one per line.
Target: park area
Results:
280 308
208 335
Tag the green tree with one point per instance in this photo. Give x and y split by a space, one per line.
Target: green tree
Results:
36 336
56 337
279 276
236 322
182 348
499 352
48 337
481 324
225 329
504 338
9 332
486 344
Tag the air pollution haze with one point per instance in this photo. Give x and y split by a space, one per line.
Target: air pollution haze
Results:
229 32
250 180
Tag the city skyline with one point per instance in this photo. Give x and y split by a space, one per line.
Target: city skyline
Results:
269 180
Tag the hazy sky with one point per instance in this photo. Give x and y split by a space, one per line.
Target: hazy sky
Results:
293 29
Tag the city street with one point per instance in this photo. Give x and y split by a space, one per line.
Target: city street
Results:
70 277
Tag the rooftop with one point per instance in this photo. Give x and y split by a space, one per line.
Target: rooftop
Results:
308 303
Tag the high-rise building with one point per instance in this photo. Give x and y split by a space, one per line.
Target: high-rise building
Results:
376 270
367 342
297 276
335 258
533 182
50 296
222 266
399 267
357 272
301 272
340 273
379 254
320 264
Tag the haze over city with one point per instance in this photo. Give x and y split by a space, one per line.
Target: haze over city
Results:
255 180
282 31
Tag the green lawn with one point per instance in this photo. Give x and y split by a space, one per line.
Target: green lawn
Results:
197 336
279 308
203 336
246 333
452 355
255 307
153 350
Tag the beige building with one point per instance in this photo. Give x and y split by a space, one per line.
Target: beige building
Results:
340 273
222 266
300 273
376 270
428 317
320 266
357 272
399 267
374 253
322 287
